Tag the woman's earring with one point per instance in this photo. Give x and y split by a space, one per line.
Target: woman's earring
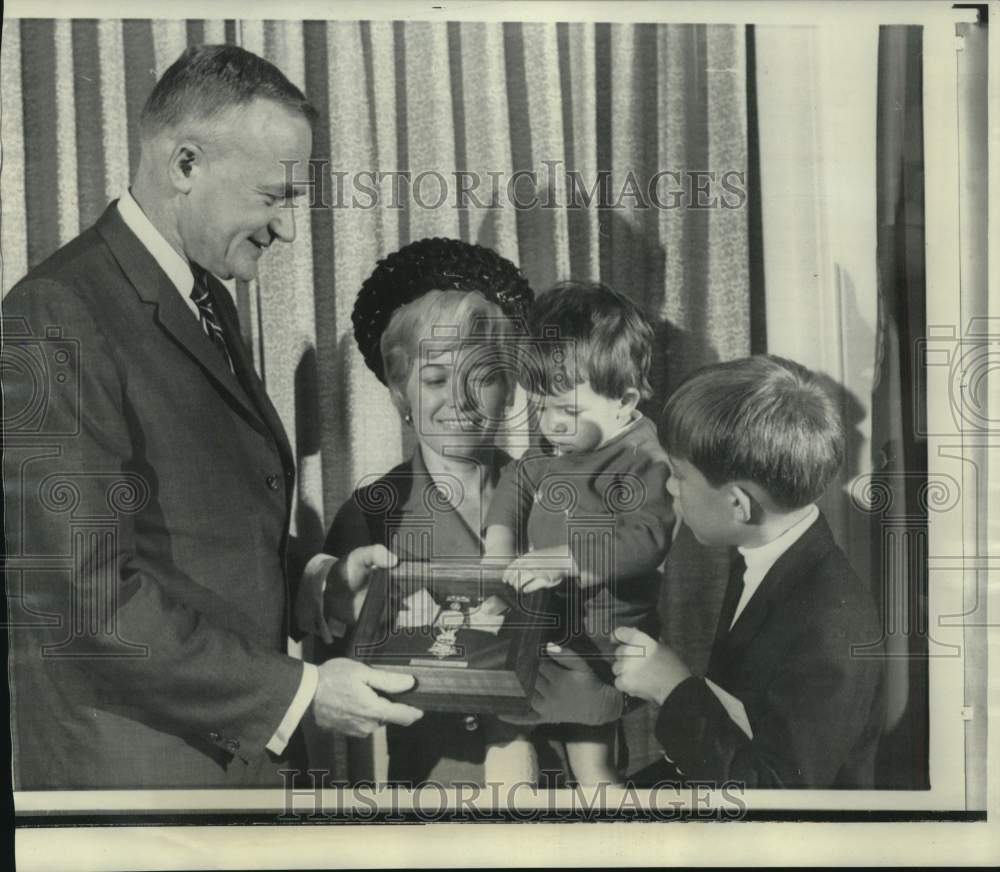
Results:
408 418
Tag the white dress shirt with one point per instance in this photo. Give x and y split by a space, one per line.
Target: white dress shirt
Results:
178 270
176 267
759 560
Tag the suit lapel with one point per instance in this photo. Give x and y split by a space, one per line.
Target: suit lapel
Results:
171 313
790 569
243 364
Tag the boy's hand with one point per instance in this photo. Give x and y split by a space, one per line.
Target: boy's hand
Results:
539 569
645 668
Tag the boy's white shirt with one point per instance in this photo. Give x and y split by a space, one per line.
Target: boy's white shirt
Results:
759 561
734 708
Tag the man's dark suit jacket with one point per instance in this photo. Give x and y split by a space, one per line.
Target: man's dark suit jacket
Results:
804 659
147 501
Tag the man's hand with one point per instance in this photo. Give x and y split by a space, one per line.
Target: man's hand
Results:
346 698
539 569
568 691
645 668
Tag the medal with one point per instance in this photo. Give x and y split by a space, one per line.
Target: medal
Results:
444 645
445 642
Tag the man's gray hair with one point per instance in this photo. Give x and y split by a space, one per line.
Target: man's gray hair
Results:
207 80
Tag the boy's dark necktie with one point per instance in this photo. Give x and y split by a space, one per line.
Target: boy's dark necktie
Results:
209 322
734 590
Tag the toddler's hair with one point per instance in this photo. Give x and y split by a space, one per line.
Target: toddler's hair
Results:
585 331
762 419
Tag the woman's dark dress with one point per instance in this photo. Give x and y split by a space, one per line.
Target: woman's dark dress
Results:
405 511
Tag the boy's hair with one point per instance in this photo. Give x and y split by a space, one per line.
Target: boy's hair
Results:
585 331
762 419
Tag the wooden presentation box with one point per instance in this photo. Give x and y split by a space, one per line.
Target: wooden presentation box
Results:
471 641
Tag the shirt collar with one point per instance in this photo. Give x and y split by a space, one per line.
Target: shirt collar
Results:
628 427
178 270
760 559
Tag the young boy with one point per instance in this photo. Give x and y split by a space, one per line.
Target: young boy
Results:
792 697
589 512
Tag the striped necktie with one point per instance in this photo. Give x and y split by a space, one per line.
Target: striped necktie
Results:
209 322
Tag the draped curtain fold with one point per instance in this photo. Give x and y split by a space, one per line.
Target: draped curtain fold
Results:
842 189
899 446
626 101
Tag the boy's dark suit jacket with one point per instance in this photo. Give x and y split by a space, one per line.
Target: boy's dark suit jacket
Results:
147 500
814 705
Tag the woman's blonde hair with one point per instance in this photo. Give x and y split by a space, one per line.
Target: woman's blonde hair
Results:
440 321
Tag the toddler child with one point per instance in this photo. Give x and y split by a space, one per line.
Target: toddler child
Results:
588 512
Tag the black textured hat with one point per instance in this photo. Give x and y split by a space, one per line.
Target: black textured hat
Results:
427 265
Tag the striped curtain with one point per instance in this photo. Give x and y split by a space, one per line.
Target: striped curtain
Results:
439 98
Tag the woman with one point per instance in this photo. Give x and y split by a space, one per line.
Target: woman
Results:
432 322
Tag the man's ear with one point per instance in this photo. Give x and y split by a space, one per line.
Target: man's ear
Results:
186 161
742 504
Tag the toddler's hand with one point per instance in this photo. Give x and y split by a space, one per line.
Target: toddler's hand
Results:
538 570
645 668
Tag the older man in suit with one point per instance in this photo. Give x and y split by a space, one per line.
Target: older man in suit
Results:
148 480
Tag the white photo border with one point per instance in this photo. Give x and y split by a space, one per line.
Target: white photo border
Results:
964 542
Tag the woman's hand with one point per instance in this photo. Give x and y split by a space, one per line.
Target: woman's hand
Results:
355 569
310 610
568 691
347 581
